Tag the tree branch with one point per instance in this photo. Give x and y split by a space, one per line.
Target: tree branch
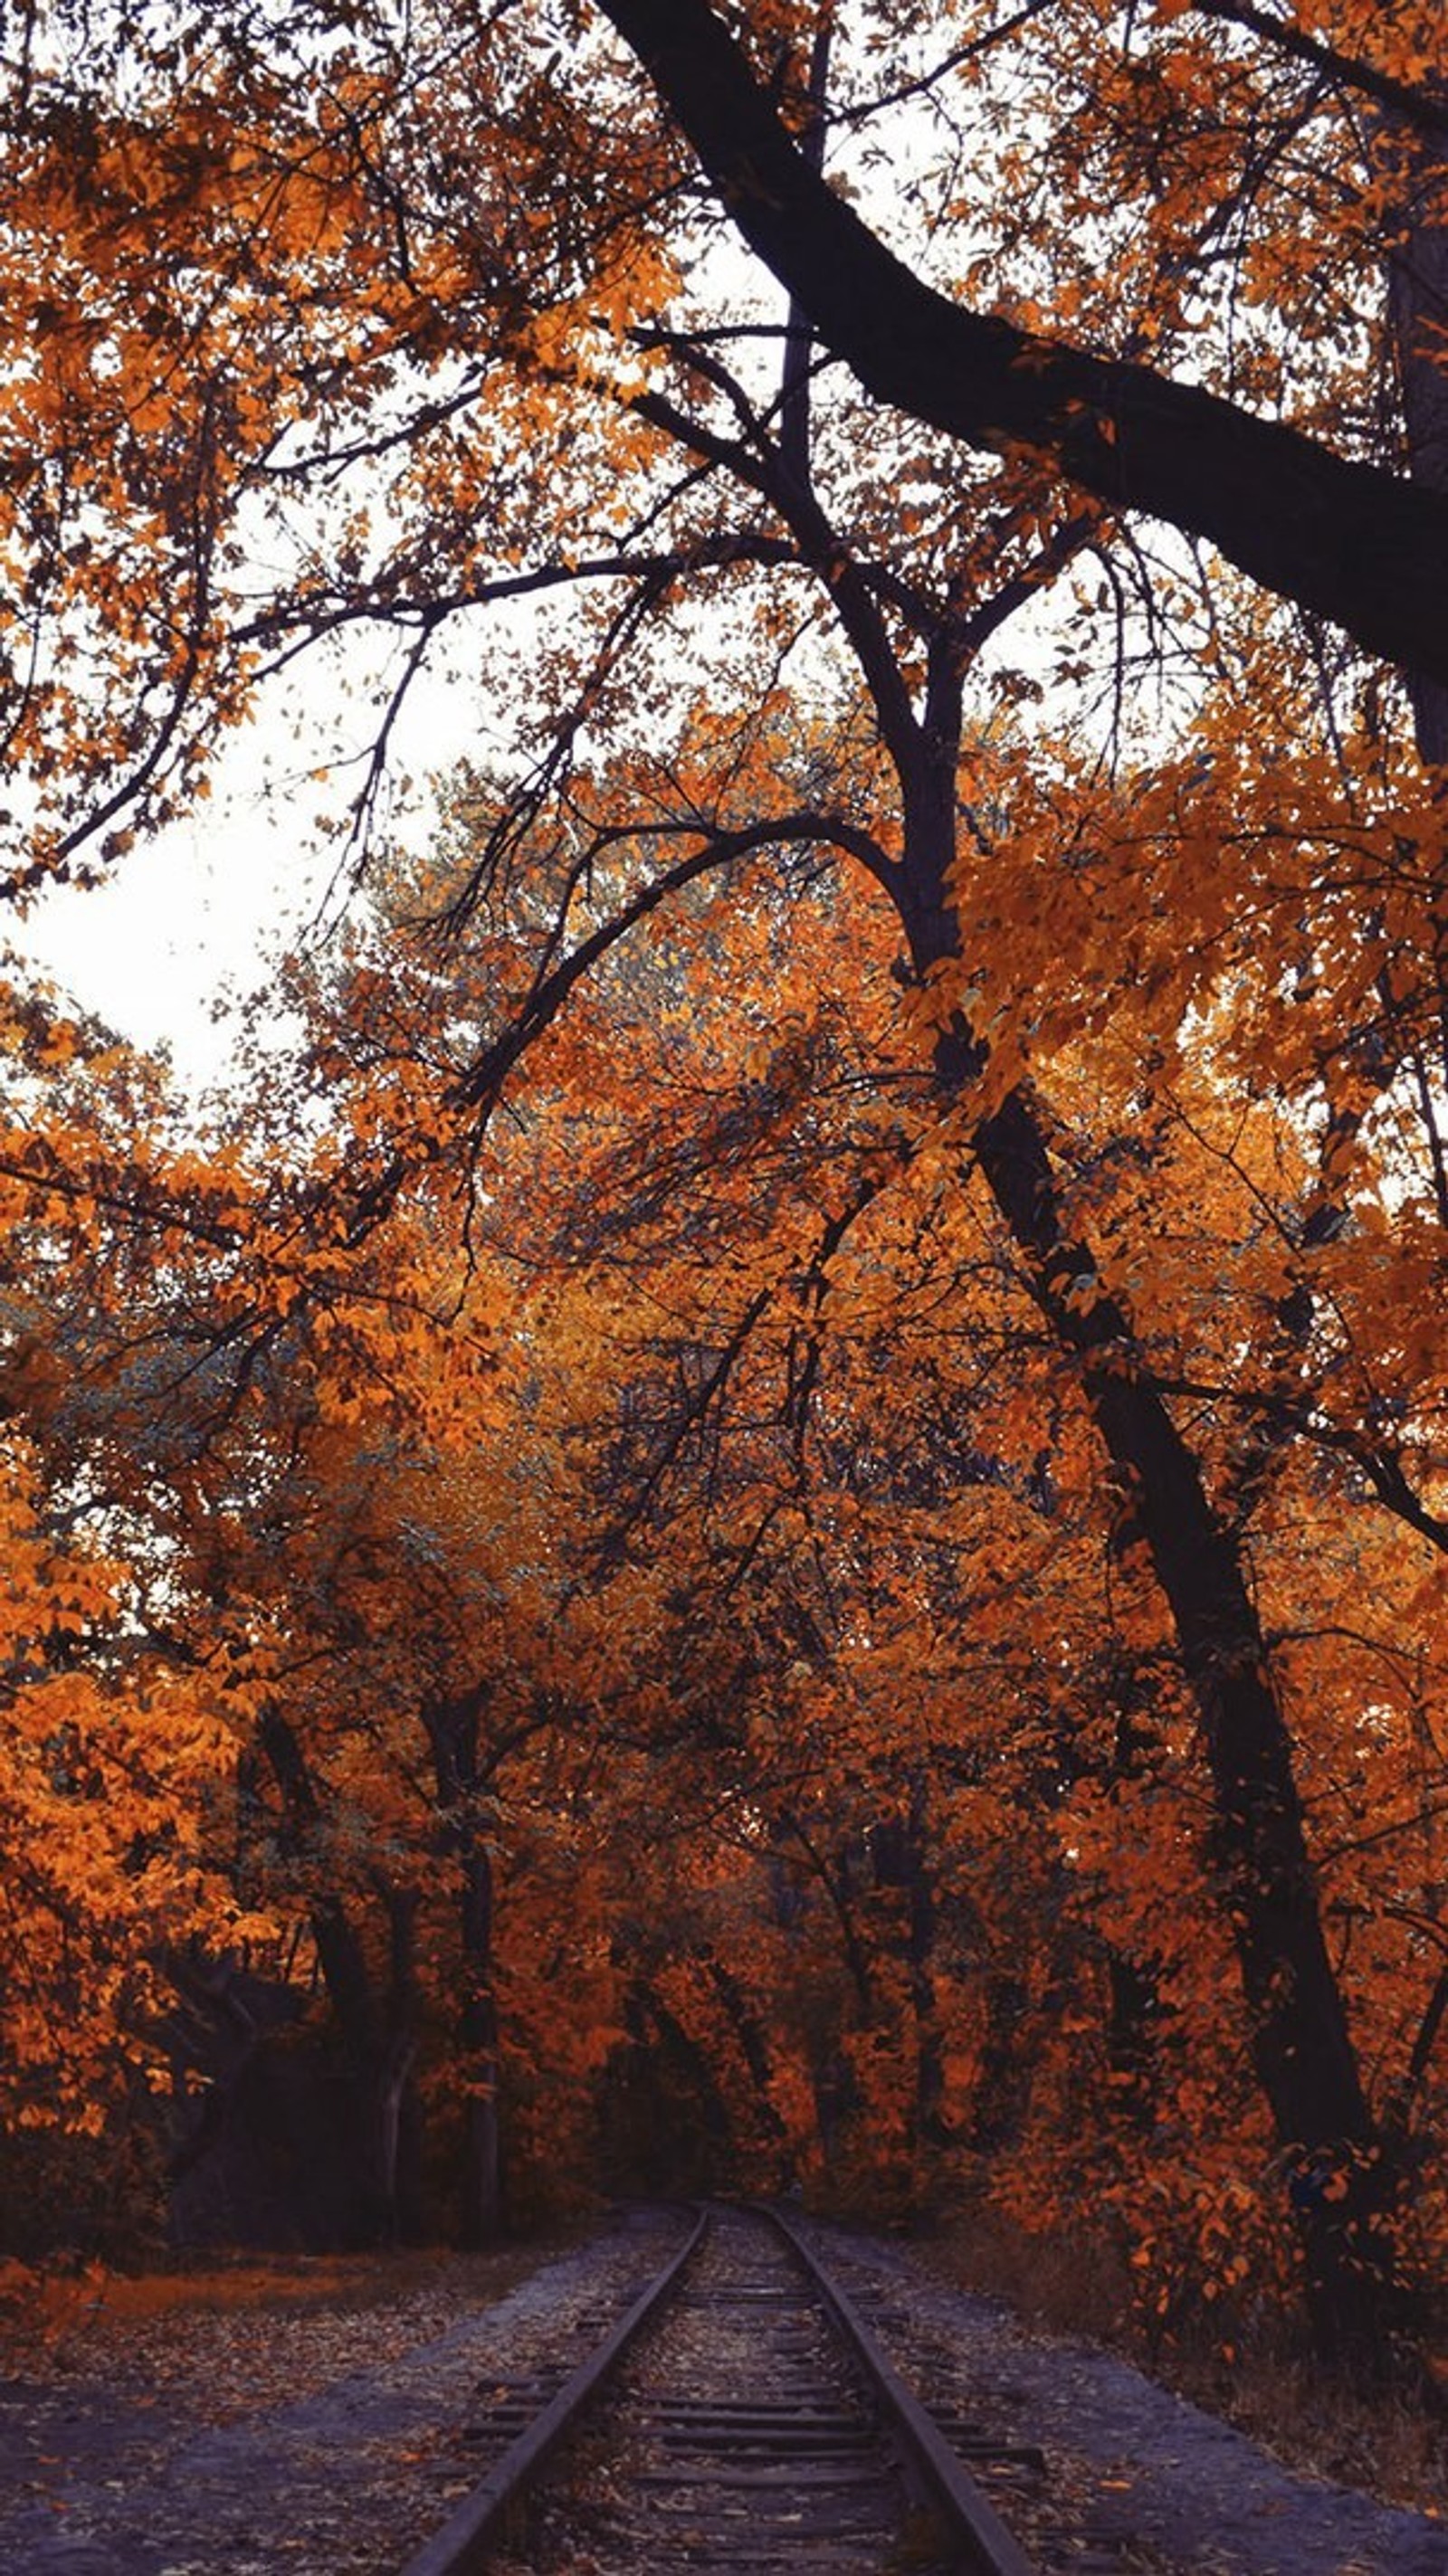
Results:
1349 541
1349 71
478 1088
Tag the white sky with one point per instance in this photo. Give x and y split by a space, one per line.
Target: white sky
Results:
200 913
185 919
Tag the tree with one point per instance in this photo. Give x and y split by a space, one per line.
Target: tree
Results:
631 1180
114 1760
1350 542
568 400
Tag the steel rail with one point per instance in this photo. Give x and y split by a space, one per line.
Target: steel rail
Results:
462 2544
968 2515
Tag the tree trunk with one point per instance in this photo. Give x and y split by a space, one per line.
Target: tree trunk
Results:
379 2049
901 1859
1001 2104
1134 2012
398 2116
1341 2186
753 2043
1418 317
452 1731
693 2145
1418 313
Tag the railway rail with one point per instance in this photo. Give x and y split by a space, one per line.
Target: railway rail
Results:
740 2413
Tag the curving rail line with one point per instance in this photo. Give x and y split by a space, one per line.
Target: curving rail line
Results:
813 2441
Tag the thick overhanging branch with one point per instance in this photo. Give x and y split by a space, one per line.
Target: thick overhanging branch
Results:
1354 544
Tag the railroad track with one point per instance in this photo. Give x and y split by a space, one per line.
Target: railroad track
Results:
740 2414
1082 2524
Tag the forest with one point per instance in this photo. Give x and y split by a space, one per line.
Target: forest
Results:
760 1505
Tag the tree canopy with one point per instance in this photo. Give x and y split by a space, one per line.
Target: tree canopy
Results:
795 1471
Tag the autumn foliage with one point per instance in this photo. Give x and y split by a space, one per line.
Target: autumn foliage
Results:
772 1513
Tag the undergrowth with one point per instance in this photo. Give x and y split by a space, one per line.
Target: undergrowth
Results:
1393 2446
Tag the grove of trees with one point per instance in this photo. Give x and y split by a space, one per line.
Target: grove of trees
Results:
774 1512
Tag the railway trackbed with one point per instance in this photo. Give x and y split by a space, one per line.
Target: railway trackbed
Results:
743 2414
